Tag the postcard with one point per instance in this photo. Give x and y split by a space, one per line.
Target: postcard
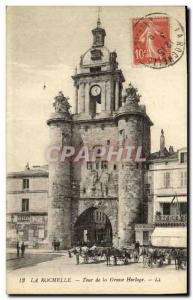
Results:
96 150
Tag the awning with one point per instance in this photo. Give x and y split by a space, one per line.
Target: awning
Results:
169 237
169 199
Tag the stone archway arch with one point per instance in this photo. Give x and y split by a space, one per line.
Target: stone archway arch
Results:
93 227
108 206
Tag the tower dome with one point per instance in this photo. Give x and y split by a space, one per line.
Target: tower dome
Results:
98 55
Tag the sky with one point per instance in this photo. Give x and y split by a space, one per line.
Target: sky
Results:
44 45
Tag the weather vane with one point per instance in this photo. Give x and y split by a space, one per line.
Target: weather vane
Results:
99 11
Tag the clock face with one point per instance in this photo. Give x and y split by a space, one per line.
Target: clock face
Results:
95 90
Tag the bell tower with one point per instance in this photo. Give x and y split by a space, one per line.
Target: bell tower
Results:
98 35
98 81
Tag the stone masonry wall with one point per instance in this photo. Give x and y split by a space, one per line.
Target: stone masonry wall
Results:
84 196
59 209
131 181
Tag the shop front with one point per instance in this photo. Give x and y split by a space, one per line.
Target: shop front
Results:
30 228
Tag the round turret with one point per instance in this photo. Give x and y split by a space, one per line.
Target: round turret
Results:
134 132
59 208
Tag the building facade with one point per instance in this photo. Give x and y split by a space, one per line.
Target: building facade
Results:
166 183
27 206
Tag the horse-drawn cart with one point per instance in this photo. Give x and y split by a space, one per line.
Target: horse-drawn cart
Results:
109 254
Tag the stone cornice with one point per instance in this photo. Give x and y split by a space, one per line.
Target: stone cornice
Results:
28 192
110 119
99 73
127 113
27 213
113 118
26 175
95 198
55 120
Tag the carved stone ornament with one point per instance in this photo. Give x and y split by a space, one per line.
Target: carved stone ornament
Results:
132 94
61 103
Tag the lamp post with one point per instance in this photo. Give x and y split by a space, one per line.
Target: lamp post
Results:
118 240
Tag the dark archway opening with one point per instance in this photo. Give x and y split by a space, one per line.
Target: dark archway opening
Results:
93 227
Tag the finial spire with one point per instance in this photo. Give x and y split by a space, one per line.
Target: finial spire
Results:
162 143
98 22
98 32
98 19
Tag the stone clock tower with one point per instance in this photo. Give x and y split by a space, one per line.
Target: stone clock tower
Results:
98 201
98 85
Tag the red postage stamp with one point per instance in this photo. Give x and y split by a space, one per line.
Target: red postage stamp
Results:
151 40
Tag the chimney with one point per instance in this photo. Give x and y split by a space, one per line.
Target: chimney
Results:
27 166
162 143
171 149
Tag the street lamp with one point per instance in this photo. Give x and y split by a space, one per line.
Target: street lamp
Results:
118 240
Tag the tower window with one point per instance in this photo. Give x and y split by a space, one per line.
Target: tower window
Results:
63 137
108 142
84 190
25 183
95 69
183 157
183 179
25 205
167 180
115 167
107 190
89 165
104 165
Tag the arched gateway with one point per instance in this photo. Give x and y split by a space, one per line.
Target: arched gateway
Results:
104 116
93 227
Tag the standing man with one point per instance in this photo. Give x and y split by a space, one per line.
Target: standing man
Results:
58 245
22 249
137 245
77 257
54 244
18 248
108 256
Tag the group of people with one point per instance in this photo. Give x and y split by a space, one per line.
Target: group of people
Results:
152 256
20 247
97 253
56 245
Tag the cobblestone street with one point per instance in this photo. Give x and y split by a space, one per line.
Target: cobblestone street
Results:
14 262
59 272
